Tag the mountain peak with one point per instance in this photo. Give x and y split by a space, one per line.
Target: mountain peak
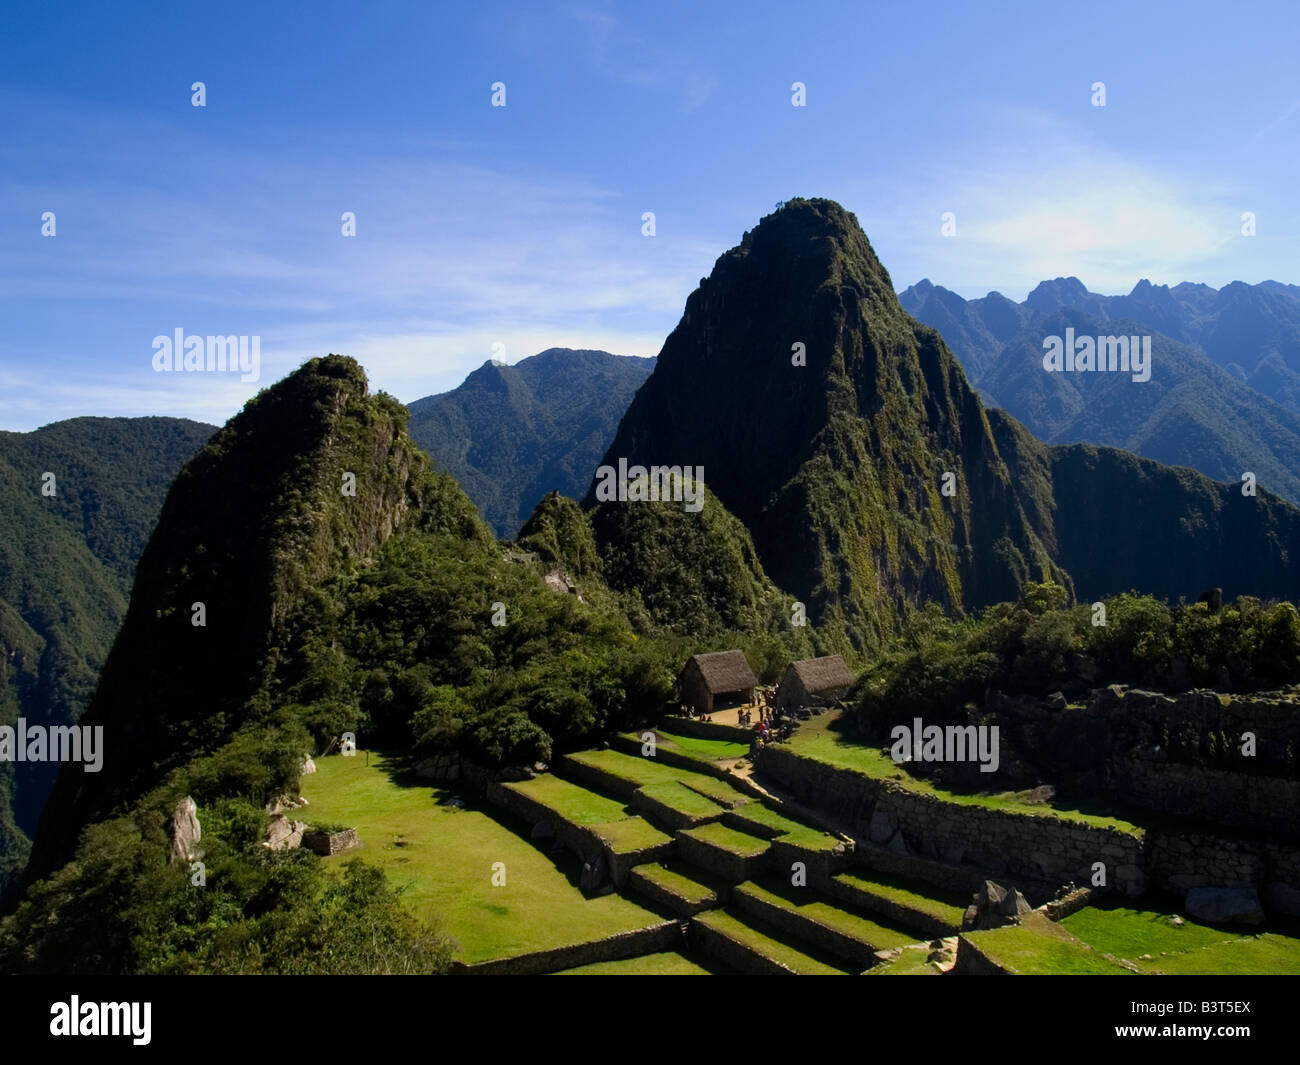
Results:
1059 292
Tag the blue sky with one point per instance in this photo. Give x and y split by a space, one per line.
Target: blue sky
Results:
521 226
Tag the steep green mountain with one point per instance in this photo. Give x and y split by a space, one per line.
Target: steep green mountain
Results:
344 585
510 434
1193 411
68 547
837 467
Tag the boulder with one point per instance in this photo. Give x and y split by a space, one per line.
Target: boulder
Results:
1225 905
184 831
542 830
595 874
283 834
994 906
1056 701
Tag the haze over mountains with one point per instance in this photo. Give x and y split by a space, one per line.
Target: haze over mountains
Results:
1222 397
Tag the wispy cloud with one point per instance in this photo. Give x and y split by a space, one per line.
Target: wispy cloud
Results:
626 56
1047 200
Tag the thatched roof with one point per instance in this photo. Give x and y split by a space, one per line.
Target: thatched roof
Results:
823 674
725 671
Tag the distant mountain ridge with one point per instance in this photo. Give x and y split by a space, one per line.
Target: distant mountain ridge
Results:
510 434
67 560
1222 397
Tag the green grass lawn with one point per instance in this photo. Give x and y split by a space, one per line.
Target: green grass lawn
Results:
572 802
677 796
825 745
706 749
630 834
946 906
687 882
1041 948
728 839
1266 955
632 767
1192 949
442 857
1129 932
666 964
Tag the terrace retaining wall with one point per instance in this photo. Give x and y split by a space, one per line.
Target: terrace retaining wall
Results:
708 730
958 845
804 929
654 939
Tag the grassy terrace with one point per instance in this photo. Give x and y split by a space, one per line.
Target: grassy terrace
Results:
743 930
677 796
770 822
666 964
704 749
815 740
573 802
1041 948
728 839
804 902
442 857
946 906
634 768
610 819
693 885
1191 949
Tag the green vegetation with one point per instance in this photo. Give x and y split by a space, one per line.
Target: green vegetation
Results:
807 904
762 941
763 820
1267 955
66 564
1189 948
572 802
509 434
677 796
728 839
687 882
441 857
708 750
1040 644
946 906
635 769
1041 948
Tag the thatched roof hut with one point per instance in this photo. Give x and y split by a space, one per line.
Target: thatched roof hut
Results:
717 679
813 682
